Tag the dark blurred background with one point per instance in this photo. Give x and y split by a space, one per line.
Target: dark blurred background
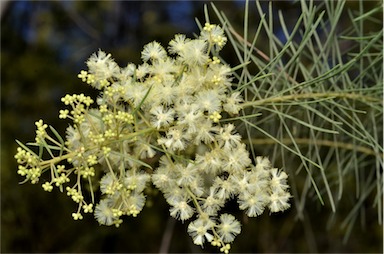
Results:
44 45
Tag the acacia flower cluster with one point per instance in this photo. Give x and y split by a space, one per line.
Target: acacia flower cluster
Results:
161 122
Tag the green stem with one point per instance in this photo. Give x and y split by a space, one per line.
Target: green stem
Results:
293 97
195 202
307 141
55 160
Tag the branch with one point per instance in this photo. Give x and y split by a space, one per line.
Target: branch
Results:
307 141
292 97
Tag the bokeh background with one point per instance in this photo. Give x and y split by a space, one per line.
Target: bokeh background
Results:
44 45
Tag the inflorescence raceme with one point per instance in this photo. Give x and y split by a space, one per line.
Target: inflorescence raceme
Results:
169 110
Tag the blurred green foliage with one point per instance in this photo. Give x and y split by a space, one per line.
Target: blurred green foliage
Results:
43 47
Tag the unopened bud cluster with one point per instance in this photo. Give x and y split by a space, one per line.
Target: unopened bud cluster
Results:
160 122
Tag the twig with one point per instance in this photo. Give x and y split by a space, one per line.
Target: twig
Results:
310 96
320 142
